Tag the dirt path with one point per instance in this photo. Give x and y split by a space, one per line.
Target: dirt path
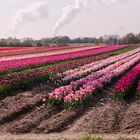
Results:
24 113
70 136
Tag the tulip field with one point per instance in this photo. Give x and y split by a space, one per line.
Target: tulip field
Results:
77 75
29 60
51 89
82 83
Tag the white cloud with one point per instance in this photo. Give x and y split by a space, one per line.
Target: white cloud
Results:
33 12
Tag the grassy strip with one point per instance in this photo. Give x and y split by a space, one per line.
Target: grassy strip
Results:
91 137
121 51
88 137
40 66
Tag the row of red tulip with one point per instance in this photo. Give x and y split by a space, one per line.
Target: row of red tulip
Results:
8 49
125 84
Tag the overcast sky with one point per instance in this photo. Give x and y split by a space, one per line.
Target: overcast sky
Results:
119 18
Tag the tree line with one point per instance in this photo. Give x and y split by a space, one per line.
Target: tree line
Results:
129 38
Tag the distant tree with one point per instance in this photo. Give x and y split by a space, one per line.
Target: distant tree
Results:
38 43
101 39
76 40
138 38
111 39
96 41
61 40
3 42
65 40
129 39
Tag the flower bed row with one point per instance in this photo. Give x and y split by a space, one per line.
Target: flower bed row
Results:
32 50
2 49
74 74
24 63
70 95
125 84
5 81
16 52
66 55
102 72
21 77
138 89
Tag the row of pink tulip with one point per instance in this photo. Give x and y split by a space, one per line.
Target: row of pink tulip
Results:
102 72
70 95
23 63
85 81
88 68
91 87
123 86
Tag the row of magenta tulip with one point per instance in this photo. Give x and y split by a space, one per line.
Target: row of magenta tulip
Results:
83 90
73 74
126 83
24 63
22 77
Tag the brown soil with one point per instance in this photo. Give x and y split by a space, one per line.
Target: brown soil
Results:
25 112
68 136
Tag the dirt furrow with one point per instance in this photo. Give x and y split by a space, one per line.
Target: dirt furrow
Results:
25 113
18 106
131 120
101 119
11 107
63 120
59 122
32 120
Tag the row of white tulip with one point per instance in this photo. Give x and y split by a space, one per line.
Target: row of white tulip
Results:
88 68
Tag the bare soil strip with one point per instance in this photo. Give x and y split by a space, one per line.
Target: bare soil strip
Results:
64 136
24 113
